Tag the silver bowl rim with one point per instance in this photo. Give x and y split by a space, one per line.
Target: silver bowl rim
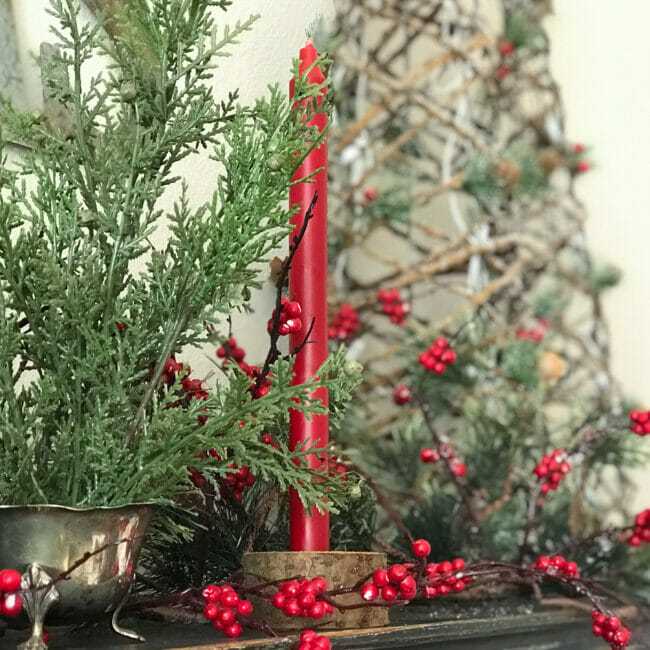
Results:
54 506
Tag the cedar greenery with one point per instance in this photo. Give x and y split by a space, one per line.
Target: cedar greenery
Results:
84 420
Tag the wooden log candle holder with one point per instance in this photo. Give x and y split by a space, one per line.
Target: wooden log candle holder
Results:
339 568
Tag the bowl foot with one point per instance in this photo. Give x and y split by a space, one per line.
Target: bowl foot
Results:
39 594
123 631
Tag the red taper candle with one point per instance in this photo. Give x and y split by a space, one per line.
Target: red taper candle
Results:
308 286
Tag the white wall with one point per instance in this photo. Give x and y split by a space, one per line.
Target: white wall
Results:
600 53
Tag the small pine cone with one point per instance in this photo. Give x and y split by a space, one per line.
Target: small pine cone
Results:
551 366
508 171
550 159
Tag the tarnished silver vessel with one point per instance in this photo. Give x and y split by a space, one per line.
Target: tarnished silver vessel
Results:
45 541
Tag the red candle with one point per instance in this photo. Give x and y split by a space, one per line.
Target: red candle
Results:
308 286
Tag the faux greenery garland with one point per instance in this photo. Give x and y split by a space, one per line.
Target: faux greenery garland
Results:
84 416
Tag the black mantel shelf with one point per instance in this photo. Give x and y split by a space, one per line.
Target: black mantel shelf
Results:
549 630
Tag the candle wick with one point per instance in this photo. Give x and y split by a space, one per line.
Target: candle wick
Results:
310 41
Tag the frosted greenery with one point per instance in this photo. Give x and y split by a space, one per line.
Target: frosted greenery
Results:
83 417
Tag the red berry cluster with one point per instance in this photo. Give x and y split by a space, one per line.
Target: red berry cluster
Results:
402 394
193 388
309 640
640 422
641 532
345 324
393 305
535 334
610 628
371 193
289 318
301 598
445 577
233 485
430 455
438 356
230 350
557 565
552 469
224 607
11 601
396 581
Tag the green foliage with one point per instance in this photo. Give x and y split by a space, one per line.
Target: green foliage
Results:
520 360
523 177
85 419
523 32
603 276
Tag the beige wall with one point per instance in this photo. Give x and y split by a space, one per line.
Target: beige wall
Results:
600 54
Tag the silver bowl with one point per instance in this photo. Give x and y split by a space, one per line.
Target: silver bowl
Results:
45 541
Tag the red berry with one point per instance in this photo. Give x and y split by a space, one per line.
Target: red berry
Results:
570 568
458 564
444 567
431 569
459 469
439 368
583 166
622 636
402 394
503 71
10 580
597 630
388 593
244 607
292 608
397 573
226 616
320 583
448 356
12 604
421 548
317 610
371 193
612 623
598 617
279 600
233 630
211 593
322 643
308 636
429 592
543 563
407 586
306 599
578 147
428 455
229 599
506 48
441 342
380 577
210 611
369 592
443 590
459 585
290 588
558 561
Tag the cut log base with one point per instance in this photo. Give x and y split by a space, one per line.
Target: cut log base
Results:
339 568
